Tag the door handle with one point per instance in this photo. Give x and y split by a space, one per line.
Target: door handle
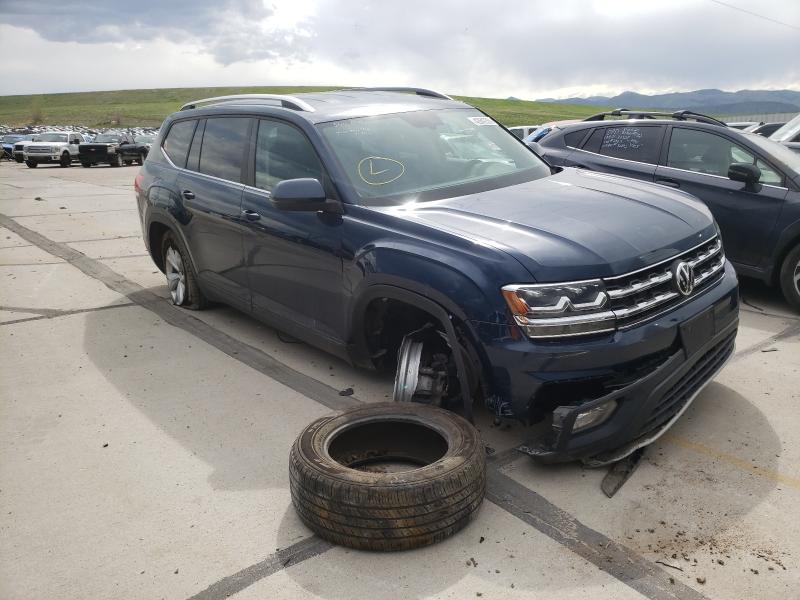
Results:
251 215
668 182
188 194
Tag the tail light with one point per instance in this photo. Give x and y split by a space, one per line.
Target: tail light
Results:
137 183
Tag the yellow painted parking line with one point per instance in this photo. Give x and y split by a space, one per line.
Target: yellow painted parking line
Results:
735 461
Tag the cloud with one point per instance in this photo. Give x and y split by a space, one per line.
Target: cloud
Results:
528 49
229 30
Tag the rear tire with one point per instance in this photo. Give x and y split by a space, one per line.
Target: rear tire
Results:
790 277
181 276
140 160
86 165
116 161
65 161
429 481
31 164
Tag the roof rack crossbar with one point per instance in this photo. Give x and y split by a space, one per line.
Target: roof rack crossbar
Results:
679 115
406 90
285 101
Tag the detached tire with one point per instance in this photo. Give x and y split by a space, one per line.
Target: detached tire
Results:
390 476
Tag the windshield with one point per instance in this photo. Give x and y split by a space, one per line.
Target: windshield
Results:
108 138
788 132
429 154
53 137
778 151
12 138
144 139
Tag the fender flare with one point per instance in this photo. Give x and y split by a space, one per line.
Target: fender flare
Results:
424 302
165 218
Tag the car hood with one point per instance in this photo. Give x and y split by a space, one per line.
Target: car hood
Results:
573 225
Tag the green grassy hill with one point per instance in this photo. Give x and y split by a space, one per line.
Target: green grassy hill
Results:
129 108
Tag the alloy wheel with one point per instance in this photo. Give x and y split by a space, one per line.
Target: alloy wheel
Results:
176 275
796 277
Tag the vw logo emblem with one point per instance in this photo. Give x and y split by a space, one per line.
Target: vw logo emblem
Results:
684 278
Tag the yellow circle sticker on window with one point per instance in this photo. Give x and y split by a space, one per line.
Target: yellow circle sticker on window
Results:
378 170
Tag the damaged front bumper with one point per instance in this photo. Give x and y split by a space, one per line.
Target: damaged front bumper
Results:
601 399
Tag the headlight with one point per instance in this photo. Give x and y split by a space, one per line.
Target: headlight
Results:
560 309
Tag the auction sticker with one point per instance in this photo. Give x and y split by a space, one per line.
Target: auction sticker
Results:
481 121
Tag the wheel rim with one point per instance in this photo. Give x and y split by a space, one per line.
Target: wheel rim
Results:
176 276
796 277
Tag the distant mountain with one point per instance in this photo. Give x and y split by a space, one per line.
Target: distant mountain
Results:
713 101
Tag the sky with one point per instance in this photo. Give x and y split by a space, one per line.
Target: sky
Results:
526 49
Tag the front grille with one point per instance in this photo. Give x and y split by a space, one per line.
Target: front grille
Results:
40 150
641 295
18 147
682 391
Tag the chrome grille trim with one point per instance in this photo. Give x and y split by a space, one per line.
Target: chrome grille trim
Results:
647 293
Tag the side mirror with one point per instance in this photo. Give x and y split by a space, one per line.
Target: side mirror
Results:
747 174
304 194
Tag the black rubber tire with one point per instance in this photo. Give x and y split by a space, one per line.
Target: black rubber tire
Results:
195 300
140 159
128 163
65 161
788 286
116 161
31 164
394 510
86 165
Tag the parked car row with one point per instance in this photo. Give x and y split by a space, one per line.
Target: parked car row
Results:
114 148
750 183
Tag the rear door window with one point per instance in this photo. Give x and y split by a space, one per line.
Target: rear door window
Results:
224 145
176 144
641 144
283 152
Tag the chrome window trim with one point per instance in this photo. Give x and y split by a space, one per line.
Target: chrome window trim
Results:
185 170
637 162
777 187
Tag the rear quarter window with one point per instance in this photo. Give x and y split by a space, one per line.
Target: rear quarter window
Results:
176 144
573 139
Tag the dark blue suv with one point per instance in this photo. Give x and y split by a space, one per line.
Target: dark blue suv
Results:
407 232
750 183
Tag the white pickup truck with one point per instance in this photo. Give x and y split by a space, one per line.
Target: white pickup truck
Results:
53 147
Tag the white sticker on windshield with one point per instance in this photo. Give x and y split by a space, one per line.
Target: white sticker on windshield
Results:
480 121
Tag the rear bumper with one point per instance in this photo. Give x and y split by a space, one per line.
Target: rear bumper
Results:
649 373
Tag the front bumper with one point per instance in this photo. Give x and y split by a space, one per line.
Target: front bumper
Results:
43 158
652 372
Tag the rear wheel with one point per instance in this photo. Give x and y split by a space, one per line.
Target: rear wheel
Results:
116 161
790 277
181 278
65 160
86 165
31 164
128 163
140 160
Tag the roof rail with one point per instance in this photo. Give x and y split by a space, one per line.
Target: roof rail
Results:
680 115
406 90
285 101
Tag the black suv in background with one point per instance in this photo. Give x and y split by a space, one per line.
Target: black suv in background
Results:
408 232
750 183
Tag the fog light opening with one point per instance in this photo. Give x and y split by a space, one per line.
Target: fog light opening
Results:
594 416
